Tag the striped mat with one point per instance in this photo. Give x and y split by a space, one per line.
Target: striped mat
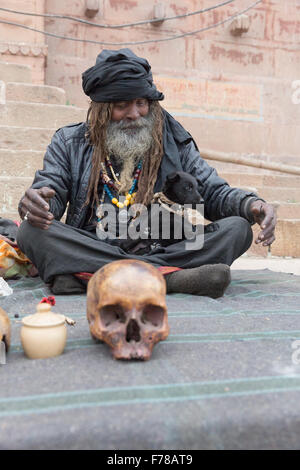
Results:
227 377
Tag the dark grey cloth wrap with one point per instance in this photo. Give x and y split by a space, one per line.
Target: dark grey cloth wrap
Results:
119 76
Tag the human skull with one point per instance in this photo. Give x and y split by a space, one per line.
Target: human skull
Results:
126 308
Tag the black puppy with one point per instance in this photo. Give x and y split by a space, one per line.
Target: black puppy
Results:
180 188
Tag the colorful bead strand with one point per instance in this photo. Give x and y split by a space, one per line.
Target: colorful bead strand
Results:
129 198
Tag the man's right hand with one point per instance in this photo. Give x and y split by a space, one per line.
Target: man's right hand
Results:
34 207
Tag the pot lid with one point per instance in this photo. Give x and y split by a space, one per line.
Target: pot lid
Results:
44 317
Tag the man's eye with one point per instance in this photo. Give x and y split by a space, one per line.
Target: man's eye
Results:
142 103
121 105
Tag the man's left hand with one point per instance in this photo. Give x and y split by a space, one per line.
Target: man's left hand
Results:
265 216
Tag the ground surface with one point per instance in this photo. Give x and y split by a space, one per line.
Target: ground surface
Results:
227 377
284 265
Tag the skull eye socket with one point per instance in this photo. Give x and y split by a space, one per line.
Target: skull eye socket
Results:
112 314
153 314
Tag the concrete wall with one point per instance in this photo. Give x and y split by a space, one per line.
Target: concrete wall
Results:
233 93
23 46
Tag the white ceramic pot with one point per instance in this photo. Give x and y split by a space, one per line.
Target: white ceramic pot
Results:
43 334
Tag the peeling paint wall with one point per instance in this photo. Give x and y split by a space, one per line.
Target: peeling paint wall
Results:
233 93
23 46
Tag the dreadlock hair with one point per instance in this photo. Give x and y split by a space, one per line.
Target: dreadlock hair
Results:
98 117
153 158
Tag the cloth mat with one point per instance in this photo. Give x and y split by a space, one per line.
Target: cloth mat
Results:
227 377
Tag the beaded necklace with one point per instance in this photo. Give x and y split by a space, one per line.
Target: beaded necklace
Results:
109 183
115 185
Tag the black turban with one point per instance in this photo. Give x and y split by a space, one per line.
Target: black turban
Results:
119 76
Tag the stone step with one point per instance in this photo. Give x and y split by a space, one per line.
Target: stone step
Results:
288 210
273 194
234 168
11 191
35 93
20 163
287 238
286 242
262 180
25 138
10 72
20 113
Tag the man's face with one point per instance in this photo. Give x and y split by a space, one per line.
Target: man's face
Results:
129 132
130 110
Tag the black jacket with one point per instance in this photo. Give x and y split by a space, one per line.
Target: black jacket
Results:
67 166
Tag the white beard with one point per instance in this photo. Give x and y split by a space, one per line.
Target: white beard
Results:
129 142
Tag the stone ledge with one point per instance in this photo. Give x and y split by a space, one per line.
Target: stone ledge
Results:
274 263
287 238
23 49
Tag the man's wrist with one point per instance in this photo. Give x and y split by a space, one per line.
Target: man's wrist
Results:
246 207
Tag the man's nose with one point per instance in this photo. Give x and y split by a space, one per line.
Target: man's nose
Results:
133 112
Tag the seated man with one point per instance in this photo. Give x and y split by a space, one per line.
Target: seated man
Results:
130 142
